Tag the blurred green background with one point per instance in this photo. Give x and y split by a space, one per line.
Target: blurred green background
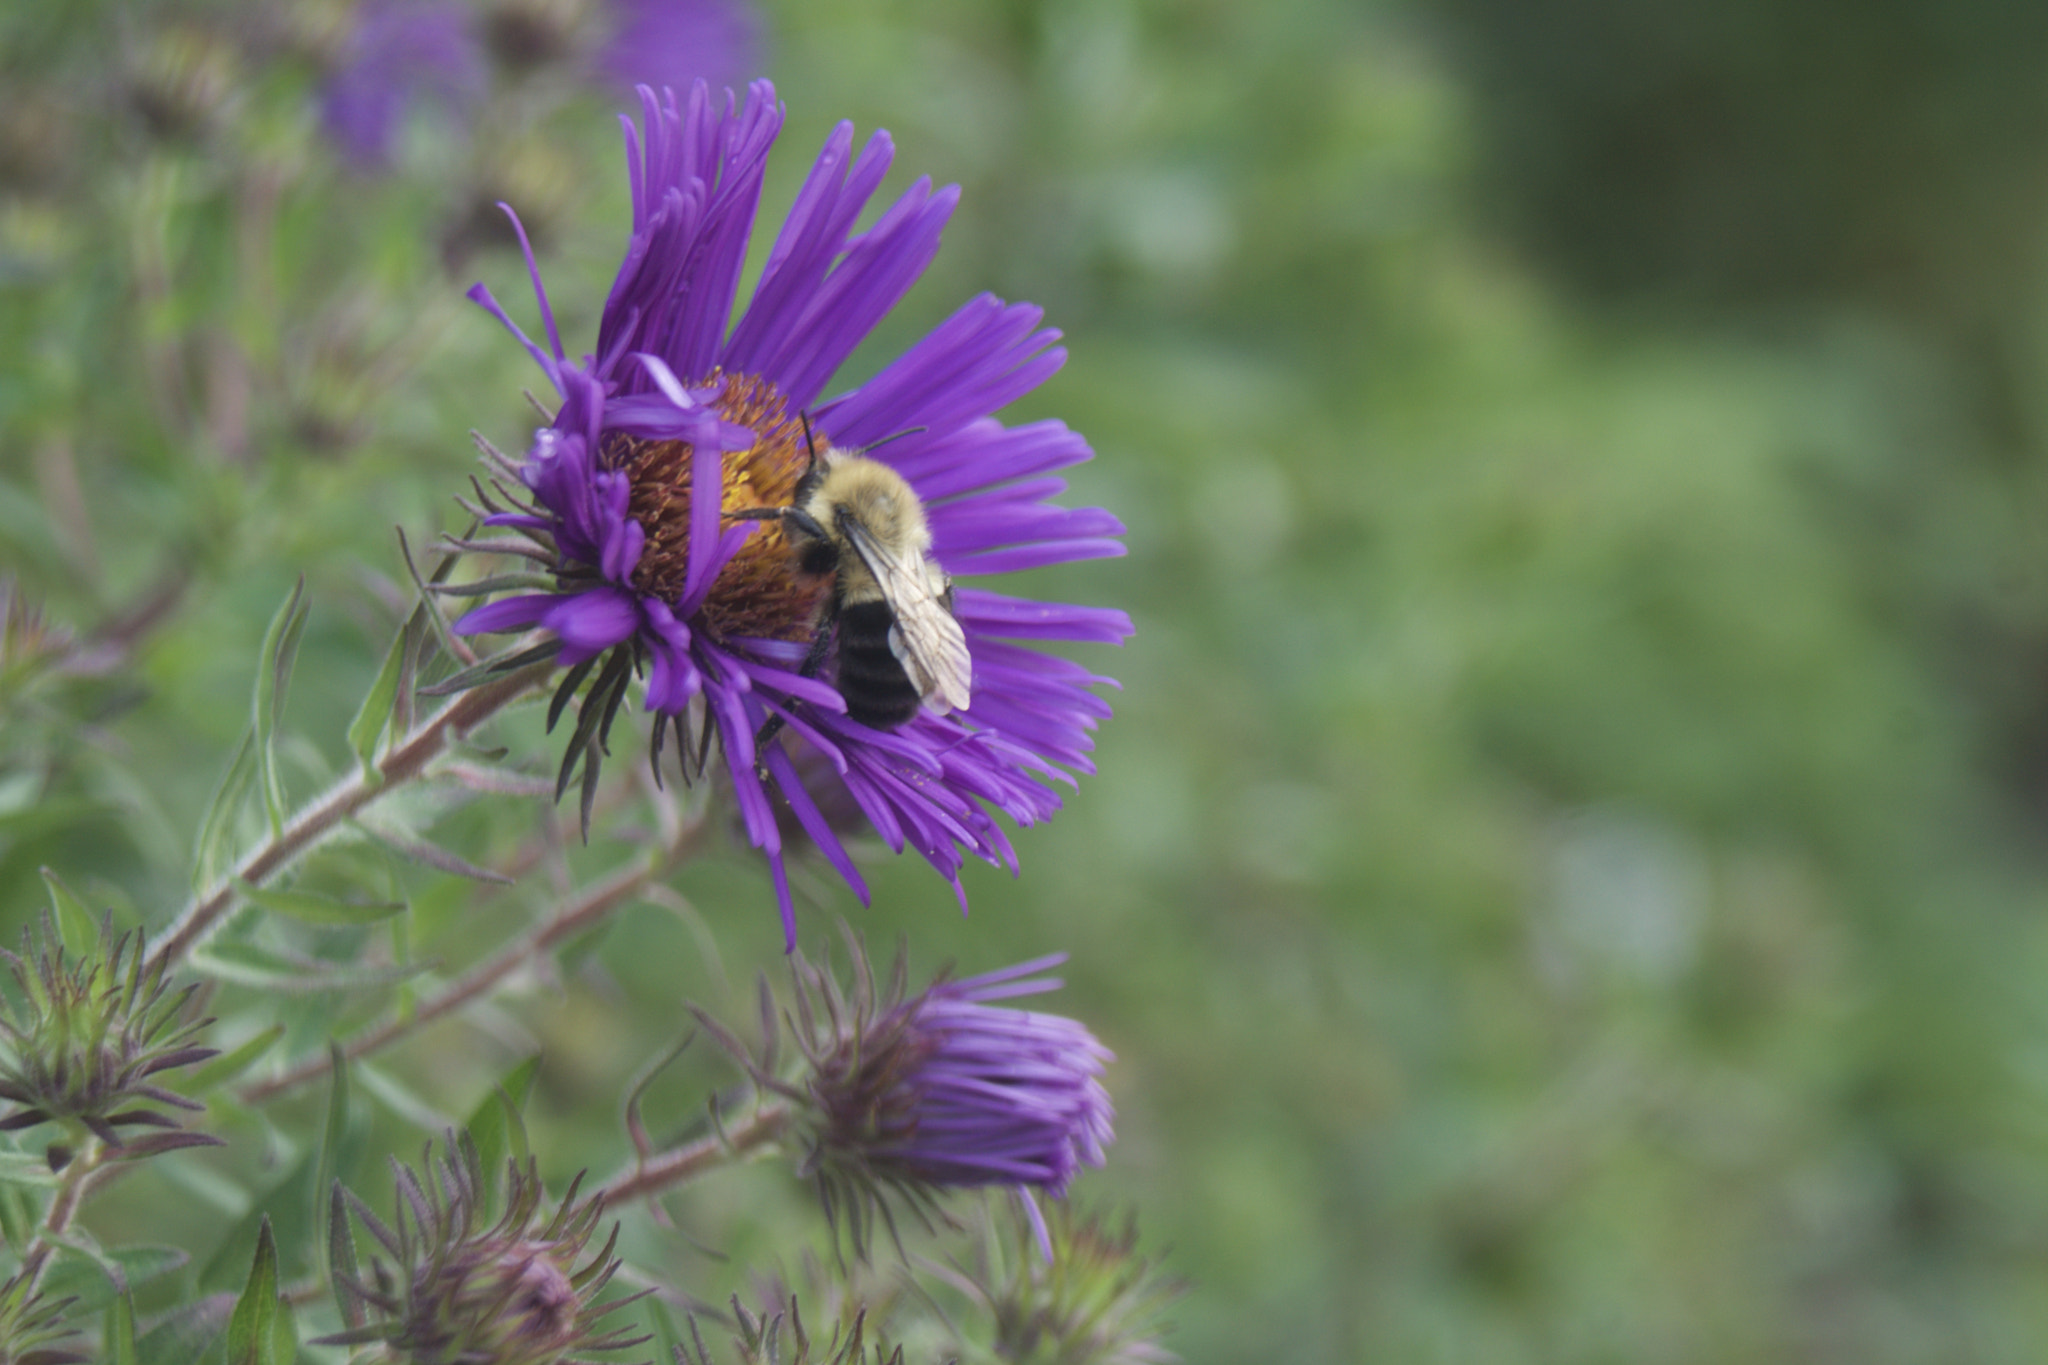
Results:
1565 880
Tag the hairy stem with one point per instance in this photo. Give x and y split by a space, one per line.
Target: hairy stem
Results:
576 915
405 761
767 1123
71 1185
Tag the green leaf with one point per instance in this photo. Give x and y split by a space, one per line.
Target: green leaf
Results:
215 846
341 1259
118 1334
75 924
229 1065
429 855
667 1338
315 908
246 964
376 713
273 676
394 1095
252 1329
498 1130
328 1163
97 1277
185 1334
26 1169
437 622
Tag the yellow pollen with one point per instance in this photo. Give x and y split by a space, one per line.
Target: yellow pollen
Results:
759 593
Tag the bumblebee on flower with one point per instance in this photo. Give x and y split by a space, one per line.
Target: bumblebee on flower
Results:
709 593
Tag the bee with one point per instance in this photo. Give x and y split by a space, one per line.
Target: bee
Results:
891 605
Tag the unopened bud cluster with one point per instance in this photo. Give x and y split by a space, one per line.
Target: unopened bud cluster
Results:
82 1037
461 1287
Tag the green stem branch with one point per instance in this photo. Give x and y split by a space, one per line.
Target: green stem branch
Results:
651 1175
405 761
572 918
71 1186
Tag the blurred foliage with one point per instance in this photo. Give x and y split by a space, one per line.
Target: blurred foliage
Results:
1564 881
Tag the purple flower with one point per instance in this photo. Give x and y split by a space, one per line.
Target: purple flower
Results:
399 50
943 1090
682 394
675 42
445 50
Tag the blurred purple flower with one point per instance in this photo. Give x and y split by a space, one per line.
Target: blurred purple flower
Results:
679 395
402 50
399 50
676 42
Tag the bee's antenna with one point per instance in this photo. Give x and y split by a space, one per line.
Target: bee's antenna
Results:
894 436
810 442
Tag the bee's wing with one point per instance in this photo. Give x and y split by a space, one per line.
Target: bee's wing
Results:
927 640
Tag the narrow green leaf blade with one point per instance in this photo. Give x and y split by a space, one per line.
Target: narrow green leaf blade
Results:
375 714
27 1170
215 846
498 1130
247 964
314 908
75 924
185 1334
333 1134
119 1331
273 675
252 1328
230 1065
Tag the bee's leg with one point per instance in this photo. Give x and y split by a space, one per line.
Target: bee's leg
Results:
757 514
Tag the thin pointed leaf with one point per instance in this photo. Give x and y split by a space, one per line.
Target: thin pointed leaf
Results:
375 715
252 1328
314 908
273 677
438 623
341 1259
333 1136
214 847
27 1170
97 1277
247 964
118 1333
185 1334
503 582
430 855
75 924
230 1065
498 1130
493 667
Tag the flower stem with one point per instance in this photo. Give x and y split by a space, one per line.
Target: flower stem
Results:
63 1208
767 1123
574 916
406 760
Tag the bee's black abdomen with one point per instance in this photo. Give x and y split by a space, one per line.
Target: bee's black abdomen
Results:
877 690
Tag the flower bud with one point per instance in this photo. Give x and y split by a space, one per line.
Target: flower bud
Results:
81 1044
32 1329
943 1089
458 1291
1092 1301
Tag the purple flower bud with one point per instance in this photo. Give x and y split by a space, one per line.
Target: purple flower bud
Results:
463 1290
946 1089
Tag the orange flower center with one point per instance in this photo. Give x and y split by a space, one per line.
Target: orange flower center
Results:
759 592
